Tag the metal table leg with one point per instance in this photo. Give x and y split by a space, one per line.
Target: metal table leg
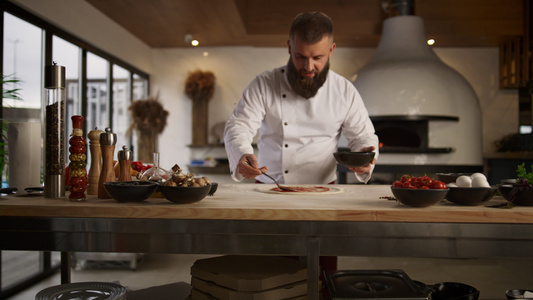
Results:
65 267
313 268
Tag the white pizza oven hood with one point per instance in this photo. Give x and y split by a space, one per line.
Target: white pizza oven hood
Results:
425 112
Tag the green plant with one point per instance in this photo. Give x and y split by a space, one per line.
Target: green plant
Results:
7 93
524 177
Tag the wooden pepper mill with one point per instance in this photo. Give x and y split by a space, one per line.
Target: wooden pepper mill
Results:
96 161
124 160
107 146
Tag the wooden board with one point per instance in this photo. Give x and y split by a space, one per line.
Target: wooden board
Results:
242 202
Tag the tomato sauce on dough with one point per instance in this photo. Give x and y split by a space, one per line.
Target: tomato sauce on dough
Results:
302 189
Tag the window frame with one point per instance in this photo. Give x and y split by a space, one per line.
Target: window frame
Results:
49 31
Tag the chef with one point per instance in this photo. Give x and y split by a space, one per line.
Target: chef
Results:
300 110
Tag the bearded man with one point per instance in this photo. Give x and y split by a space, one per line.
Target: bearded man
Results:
300 110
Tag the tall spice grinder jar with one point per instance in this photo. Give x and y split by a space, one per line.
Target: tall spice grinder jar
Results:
124 160
107 146
78 158
96 161
54 133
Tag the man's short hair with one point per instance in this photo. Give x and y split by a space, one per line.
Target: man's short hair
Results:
311 27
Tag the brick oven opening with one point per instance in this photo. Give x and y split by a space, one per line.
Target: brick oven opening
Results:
406 134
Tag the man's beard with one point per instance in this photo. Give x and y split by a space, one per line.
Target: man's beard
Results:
306 87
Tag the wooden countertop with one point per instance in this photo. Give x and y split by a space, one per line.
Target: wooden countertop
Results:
246 202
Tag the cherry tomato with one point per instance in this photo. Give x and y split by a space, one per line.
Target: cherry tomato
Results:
415 181
426 180
407 185
424 187
397 184
406 178
437 185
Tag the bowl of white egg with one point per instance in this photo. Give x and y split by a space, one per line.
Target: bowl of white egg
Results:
470 190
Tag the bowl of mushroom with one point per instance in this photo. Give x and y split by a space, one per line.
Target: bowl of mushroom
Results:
187 188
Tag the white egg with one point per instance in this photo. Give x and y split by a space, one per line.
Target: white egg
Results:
480 182
452 184
463 181
478 175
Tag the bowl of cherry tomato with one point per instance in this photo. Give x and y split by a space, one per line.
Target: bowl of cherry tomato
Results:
421 191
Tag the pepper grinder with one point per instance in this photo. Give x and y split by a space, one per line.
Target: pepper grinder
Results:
107 146
124 160
96 161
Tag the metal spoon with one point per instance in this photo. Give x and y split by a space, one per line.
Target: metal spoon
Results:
283 188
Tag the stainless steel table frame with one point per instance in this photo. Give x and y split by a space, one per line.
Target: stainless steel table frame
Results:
255 237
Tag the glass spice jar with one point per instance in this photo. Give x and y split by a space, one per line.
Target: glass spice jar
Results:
78 159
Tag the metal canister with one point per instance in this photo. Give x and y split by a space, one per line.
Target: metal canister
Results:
54 152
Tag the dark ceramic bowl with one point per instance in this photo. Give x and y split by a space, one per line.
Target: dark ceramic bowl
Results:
130 191
419 198
454 291
184 195
470 196
519 294
523 198
450 177
214 187
354 159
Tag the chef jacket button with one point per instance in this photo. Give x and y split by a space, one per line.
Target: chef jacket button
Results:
283 96
285 123
286 171
286 145
282 70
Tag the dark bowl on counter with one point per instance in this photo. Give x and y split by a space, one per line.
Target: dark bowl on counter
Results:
454 291
519 294
470 196
214 187
130 191
354 159
523 197
185 195
450 177
417 197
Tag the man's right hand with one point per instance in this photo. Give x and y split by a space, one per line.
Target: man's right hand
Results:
249 168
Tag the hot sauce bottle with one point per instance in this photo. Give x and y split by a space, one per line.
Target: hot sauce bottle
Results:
78 158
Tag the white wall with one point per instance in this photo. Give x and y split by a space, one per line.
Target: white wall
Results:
235 67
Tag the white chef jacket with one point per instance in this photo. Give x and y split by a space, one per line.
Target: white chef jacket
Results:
297 136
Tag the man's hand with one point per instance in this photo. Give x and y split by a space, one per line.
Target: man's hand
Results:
366 168
248 166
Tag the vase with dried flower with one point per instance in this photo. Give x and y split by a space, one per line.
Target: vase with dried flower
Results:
200 87
148 119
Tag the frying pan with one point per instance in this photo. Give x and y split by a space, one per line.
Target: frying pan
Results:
449 291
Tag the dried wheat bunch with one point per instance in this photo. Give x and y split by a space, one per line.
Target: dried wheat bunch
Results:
200 85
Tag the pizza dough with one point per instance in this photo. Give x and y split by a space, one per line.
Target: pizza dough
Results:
331 190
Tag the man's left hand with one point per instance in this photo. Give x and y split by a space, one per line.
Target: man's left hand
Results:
366 168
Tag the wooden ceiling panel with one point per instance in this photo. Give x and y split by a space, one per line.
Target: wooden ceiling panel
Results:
265 23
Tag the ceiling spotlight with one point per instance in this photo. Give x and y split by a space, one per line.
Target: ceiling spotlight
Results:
431 42
190 40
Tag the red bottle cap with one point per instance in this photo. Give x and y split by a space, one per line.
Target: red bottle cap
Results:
77 121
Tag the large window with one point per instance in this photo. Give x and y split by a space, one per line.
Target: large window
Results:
22 54
98 86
